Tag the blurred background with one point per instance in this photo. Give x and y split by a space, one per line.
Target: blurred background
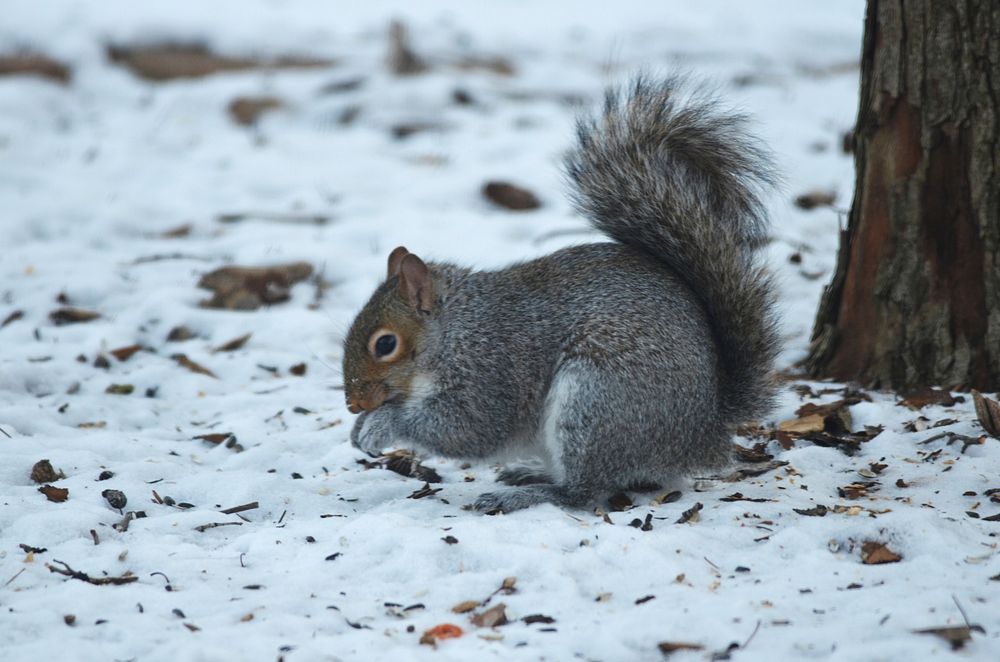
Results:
270 130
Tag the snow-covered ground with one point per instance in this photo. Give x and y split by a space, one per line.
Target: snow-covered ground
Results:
336 563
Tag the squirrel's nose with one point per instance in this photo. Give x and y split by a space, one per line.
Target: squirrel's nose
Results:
353 407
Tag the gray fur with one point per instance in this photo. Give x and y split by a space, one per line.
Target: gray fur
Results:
629 362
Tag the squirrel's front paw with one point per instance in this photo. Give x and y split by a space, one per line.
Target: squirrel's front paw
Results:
372 432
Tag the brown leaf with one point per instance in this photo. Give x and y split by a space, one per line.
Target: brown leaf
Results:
755 454
120 389
168 61
988 413
13 317
298 369
836 415
929 396
510 196
493 617
228 439
56 494
248 288
34 64
180 334
803 424
185 362
818 511
245 111
465 606
538 618
814 199
125 353
668 647
68 315
178 232
43 472
874 553
233 344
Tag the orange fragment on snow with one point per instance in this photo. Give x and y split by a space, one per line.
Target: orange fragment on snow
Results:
444 631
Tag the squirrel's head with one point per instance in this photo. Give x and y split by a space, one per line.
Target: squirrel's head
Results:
387 335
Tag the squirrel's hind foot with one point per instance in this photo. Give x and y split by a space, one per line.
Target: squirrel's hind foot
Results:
516 498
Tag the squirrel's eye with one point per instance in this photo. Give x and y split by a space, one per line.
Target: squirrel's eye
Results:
385 345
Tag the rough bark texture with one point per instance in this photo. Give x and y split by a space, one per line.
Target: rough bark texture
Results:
915 300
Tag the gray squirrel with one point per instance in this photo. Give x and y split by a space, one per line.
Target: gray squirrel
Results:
623 363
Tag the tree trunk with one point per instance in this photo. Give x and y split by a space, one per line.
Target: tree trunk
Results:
915 300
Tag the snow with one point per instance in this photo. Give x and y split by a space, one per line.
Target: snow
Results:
93 172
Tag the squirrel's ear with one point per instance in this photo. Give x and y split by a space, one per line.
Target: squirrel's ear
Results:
415 284
395 258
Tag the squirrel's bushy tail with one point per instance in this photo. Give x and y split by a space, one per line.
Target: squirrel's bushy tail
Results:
666 170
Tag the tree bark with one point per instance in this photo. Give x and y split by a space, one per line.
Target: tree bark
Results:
915 300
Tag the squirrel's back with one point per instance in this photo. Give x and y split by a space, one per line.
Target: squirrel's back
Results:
666 170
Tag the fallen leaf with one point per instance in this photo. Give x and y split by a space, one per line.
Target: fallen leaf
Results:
248 288
803 424
668 647
34 64
125 353
669 497
929 396
63 316
818 511
988 413
178 232
245 111
227 439
493 617
233 344
465 606
298 369
509 196
168 61
875 553
120 389
56 494
442 631
538 618
755 454
42 472
185 362
180 334
13 317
